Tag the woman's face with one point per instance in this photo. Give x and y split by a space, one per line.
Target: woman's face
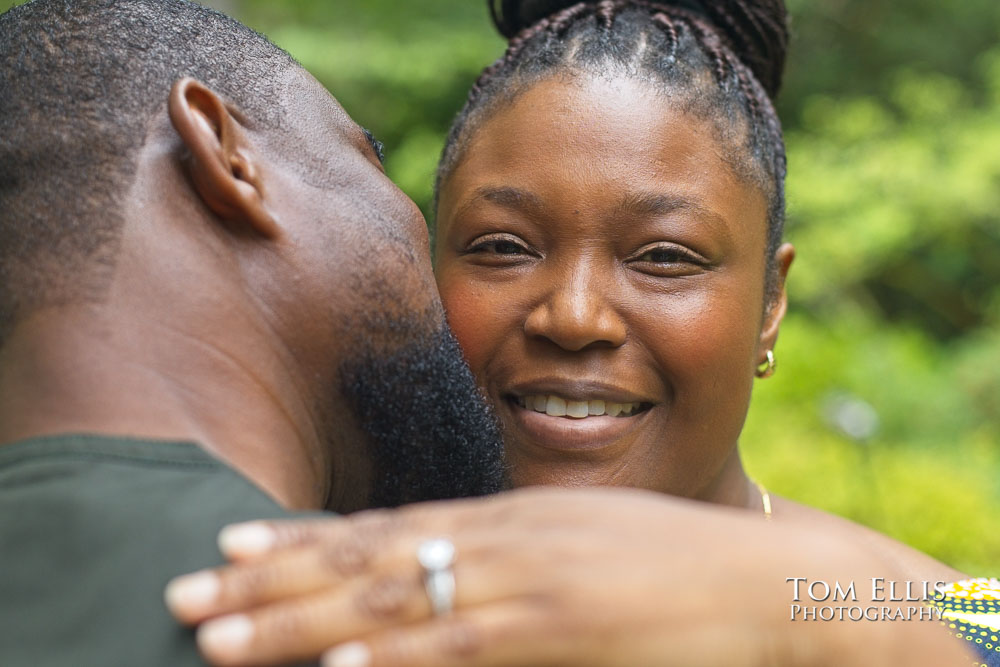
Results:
603 269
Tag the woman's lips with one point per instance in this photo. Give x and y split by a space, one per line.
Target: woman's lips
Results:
555 428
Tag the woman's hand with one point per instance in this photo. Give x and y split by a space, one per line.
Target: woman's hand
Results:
544 577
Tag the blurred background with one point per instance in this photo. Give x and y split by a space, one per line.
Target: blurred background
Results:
886 405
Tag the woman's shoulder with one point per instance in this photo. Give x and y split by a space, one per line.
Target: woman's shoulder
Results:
902 559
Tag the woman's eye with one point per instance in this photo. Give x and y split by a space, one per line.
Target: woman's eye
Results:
668 261
664 256
499 246
667 256
505 247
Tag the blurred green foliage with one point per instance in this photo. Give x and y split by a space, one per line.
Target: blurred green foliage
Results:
886 407
892 116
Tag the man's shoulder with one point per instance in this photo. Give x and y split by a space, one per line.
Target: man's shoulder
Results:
91 529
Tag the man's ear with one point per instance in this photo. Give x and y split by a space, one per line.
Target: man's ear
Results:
222 166
783 257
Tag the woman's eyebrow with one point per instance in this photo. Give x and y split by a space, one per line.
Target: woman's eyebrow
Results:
656 203
650 204
507 197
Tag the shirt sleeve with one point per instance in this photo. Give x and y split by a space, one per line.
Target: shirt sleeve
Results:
970 610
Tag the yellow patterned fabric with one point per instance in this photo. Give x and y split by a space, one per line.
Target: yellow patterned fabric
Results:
970 610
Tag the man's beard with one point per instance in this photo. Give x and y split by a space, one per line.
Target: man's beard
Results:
432 434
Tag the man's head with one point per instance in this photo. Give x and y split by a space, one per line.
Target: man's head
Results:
82 82
160 162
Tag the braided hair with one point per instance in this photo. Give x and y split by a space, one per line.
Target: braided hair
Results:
721 60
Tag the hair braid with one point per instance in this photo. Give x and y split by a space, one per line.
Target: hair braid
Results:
669 29
712 45
606 12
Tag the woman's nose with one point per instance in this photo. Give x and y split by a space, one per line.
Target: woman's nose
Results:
576 314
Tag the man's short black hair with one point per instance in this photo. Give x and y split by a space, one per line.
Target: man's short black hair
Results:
80 82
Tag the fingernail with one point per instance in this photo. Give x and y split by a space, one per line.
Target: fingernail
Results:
247 539
354 654
191 594
226 635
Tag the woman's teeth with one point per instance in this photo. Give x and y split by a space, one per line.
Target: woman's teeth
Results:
556 406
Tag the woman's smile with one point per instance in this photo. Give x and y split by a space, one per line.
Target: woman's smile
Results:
571 415
561 432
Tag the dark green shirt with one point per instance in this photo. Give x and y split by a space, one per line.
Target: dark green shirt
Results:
91 530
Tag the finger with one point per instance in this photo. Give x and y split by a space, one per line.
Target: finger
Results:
307 556
302 628
289 573
510 633
311 556
255 539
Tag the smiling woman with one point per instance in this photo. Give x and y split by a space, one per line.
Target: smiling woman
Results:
608 246
624 299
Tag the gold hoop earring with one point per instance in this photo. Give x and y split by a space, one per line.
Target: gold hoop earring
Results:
767 370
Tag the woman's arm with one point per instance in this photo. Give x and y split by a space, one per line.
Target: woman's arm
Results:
551 577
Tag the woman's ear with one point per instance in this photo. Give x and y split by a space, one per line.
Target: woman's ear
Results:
222 164
783 257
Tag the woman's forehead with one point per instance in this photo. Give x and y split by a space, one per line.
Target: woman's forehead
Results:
598 138
597 120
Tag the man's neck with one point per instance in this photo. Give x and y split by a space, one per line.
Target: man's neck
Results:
81 370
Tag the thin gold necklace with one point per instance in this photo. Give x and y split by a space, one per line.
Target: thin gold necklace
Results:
765 500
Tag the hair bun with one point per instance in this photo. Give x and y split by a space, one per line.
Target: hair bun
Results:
512 16
755 30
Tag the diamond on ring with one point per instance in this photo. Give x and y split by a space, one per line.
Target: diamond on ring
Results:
436 554
436 557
